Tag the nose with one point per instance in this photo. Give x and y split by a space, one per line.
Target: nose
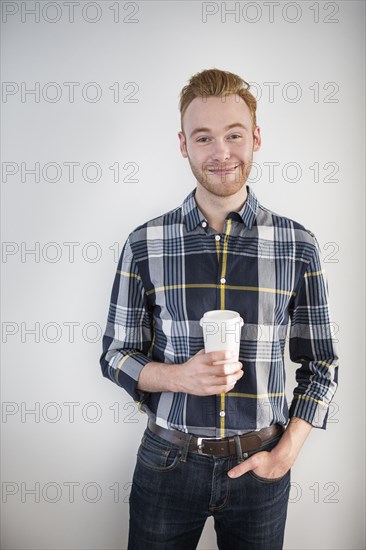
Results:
220 151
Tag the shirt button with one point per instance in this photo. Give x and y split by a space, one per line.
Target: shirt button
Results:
222 413
204 224
222 280
217 237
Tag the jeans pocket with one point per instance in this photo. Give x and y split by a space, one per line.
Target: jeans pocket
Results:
267 479
267 446
157 456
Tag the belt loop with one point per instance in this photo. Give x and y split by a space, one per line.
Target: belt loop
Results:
184 451
239 452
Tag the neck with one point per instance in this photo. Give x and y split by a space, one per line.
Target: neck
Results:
215 209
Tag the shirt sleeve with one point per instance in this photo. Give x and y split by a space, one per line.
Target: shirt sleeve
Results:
312 345
128 335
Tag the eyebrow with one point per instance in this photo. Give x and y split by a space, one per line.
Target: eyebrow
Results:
234 125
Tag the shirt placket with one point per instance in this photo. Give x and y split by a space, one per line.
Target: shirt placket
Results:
222 254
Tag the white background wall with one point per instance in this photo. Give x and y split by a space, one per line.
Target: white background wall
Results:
67 466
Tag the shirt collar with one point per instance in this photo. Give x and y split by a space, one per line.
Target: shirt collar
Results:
249 211
193 216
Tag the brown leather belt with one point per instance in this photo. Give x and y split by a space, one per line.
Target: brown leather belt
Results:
218 447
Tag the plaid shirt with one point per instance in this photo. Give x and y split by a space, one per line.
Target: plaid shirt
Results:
266 267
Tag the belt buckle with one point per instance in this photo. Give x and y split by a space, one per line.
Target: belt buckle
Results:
199 444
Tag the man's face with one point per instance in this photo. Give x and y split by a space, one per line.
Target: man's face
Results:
218 139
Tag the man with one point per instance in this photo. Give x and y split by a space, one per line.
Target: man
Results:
220 439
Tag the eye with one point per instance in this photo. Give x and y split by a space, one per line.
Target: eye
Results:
235 136
202 139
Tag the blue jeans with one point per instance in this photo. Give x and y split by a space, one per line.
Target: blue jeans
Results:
174 492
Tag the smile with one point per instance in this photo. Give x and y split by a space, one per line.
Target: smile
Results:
223 171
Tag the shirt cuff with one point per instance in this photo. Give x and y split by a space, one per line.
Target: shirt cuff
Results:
312 410
128 371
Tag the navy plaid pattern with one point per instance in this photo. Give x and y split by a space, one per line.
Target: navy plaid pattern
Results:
266 267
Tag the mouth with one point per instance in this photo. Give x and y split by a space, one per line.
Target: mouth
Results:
222 171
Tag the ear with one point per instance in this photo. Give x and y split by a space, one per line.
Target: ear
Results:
182 144
257 140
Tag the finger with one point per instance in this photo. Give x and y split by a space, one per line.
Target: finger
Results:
224 355
225 388
228 361
249 464
231 368
234 378
222 385
226 379
218 390
226 368
222 379
240 469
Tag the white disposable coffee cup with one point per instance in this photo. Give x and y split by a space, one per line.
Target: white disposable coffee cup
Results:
222 330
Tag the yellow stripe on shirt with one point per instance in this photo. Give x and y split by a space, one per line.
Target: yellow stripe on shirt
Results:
126 274
228 287
314 273
121 363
